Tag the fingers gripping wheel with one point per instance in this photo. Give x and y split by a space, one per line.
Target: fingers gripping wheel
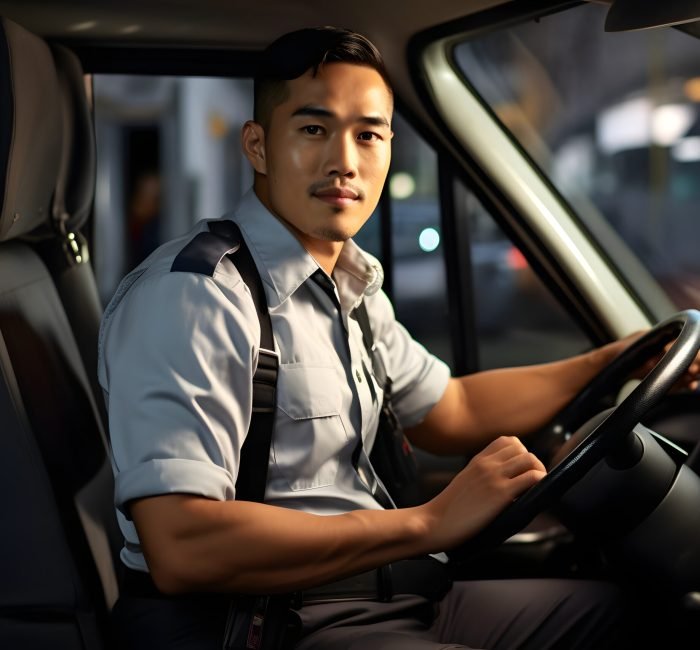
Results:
612 431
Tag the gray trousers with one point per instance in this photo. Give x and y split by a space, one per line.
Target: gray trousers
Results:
485 614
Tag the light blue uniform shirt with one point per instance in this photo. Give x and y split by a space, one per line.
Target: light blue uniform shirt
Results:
177 356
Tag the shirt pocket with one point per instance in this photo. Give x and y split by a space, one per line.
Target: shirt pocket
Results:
309 433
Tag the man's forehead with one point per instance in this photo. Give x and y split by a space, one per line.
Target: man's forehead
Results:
339 87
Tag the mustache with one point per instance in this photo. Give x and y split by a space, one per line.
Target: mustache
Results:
323 186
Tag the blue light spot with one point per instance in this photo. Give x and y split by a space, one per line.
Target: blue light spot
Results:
429 240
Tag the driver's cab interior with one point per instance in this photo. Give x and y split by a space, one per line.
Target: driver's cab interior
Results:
60 546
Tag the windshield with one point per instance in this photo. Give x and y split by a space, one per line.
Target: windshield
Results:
613 120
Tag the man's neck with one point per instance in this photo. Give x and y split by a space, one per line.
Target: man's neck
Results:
326 253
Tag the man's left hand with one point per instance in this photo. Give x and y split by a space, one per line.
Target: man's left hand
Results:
689 380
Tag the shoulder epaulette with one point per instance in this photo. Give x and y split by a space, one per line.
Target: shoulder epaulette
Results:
205 252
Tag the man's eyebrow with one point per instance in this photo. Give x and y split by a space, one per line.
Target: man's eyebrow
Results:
375 120
313 111
318 111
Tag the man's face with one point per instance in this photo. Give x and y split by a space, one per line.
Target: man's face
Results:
327 151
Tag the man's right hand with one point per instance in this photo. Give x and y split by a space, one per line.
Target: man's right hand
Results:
491 480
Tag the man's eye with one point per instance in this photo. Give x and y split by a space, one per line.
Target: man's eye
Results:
313 129
368 136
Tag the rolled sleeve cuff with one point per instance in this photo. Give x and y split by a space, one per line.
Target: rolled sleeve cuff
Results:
170 476
432 388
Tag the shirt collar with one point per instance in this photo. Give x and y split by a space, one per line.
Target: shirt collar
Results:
284 264
357 274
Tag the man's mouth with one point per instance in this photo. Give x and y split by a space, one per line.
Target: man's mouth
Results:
339 196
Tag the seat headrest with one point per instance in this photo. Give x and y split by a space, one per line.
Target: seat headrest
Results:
30 130
75 187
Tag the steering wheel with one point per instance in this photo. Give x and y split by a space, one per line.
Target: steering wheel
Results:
609 433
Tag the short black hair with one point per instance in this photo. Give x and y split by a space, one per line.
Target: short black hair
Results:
292 55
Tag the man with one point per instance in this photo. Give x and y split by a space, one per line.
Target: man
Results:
178 355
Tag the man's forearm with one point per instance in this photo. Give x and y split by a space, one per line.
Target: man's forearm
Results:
509 401
518 401
195 544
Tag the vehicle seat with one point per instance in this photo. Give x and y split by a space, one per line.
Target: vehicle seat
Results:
62 247
57 550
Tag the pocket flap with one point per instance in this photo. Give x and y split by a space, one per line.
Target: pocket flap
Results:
308 391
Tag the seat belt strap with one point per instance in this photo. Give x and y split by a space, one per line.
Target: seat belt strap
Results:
255 454
368 339
392 457
202 255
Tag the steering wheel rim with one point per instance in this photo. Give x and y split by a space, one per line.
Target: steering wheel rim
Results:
685 327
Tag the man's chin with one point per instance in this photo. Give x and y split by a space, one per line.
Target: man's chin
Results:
334 234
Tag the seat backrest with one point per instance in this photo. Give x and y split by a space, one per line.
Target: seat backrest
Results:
59 541
64 250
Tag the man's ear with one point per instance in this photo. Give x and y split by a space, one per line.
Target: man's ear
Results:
253 144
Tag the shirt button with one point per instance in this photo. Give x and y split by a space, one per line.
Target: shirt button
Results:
358 375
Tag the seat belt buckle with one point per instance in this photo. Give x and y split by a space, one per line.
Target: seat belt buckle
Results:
257 624
267 360
246 623
265 381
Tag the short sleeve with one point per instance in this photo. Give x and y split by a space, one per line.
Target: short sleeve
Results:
419 378
177 362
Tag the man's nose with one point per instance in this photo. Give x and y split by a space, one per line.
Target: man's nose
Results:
341 157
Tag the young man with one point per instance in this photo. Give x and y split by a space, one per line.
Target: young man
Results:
178 355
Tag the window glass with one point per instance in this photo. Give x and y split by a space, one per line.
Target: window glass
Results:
518 321
419 283
168 154
369 238
613 120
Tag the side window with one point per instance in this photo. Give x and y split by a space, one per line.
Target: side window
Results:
516 318
418 274
369 238
168 154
